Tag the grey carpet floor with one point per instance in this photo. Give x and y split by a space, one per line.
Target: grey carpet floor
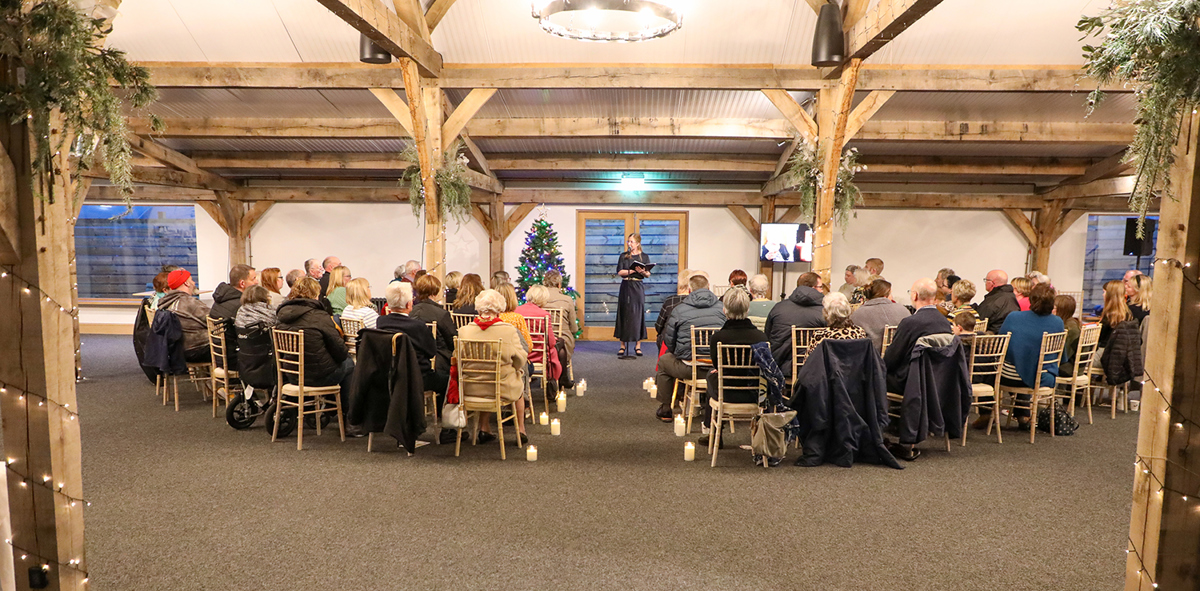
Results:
181 501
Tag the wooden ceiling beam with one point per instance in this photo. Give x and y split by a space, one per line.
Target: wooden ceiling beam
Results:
176 160
1111 166
777 129
167 177
463 113
395 105
865 110
793 112
982 78
973 166
388 31
437 11
852 12
640 162
882 23
1119 186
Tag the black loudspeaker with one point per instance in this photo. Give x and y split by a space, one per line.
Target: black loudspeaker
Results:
369 53
829 43
1135 247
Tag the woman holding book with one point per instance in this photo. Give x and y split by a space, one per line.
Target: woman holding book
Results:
632 268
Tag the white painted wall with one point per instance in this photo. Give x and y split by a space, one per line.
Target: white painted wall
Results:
372 238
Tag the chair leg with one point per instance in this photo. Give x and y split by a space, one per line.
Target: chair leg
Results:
175 391
996 418
1032 417
689 395
337 401
500 430
278 411
1113 398
714 438
300 420
370 441
966 423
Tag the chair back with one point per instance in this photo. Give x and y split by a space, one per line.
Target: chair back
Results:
701 355
461 320
802 341
448 306
1089 343
289 354
539 328
478 363
216 341
350 328
719 290
981 326
558 318
433 328
1052 348
736 369
987 358
889 334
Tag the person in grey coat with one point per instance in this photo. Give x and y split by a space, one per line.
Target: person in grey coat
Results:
701 308
802 309
879 311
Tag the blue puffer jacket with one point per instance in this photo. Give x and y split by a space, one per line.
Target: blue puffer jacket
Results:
701 308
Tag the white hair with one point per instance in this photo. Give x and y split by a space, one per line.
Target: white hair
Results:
399 295
759 284
737 303
836 307
412 267
537 295
398 272
490 303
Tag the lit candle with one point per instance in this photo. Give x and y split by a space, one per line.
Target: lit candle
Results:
653 391
689 451
581 387
679 426
555 427
543 419
531 453
561 402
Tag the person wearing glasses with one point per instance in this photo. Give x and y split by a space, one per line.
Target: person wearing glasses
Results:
999 302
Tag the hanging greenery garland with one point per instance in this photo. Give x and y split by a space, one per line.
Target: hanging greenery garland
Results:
804 172
454 194
60 69
1153 45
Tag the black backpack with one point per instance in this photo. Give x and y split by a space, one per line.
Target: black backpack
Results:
1064 423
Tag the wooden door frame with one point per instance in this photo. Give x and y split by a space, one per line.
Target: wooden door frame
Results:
630 216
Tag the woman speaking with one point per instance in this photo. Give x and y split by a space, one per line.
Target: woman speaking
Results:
632 267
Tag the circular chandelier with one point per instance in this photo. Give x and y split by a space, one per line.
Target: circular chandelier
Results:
619 21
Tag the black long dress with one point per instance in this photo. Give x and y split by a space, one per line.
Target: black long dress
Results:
631 303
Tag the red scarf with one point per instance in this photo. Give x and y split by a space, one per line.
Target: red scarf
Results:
486 324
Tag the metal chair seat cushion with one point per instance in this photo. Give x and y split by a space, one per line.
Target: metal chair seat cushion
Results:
294 390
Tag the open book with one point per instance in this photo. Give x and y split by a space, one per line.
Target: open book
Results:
639 266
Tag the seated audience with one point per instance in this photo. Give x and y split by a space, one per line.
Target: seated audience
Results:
312 268
1021 287
228 296
273 282
488 327
534 307
737 330
760 301
1064 307
1137 296
398 319
943 283
468 289
1114 313
326 360
358 303
253 323
700 308
836 311
960 301
874 266
452 279
1037 277
963 324
925 321
160 288
999 301
500 278
409 275
851 282
327 266
1025 329
335 288
737 278
681 291
427 309
292 276
878 312
510 315
181 300
862 279
558 300
802 309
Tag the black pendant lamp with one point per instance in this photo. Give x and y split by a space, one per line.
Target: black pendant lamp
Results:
829 45
369 53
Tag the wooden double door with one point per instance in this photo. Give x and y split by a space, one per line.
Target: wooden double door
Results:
600 241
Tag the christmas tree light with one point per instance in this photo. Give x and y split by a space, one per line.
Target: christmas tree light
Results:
541 254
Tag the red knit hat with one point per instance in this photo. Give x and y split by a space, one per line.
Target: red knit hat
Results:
177 278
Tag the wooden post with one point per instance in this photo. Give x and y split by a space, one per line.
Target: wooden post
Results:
767 267
496 235
425 106
237 220
1164 528
37 371
833 113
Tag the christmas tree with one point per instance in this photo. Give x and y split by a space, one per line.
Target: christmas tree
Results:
541 254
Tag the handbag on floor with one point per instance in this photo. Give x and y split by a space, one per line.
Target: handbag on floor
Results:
767 436
453 417
1064 423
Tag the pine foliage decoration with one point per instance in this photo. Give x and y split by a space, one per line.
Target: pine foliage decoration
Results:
541 254
1154 46
62 70
454 194
805 173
